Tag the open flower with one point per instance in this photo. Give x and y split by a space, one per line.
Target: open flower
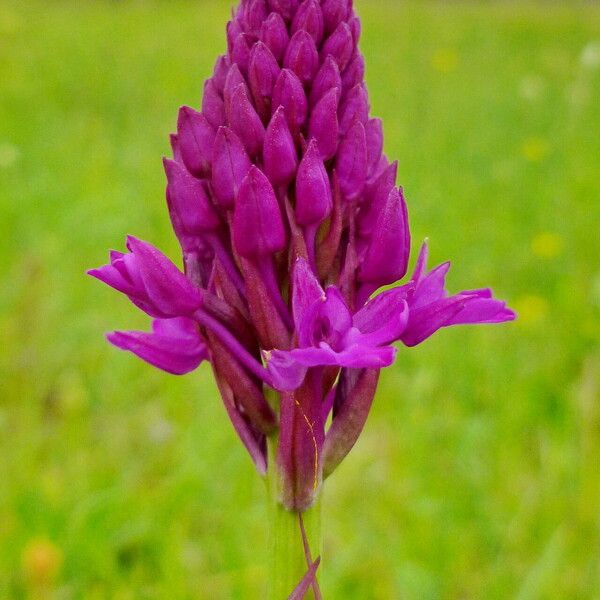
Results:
329 335
150 280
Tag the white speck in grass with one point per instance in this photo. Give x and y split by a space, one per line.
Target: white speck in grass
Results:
532 88
590 55
9 154
160 431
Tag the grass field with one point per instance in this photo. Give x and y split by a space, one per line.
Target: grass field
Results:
478 475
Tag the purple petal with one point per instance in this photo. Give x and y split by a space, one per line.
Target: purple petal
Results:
481 307
306 291
384 318
168 289
175 345
287 374
424 322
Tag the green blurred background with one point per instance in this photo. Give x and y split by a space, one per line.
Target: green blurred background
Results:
478 475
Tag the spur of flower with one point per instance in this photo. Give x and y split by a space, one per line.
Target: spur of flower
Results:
292 230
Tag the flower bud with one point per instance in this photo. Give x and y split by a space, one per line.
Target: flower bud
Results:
234 29
196 136
355 72
356 29
275 36
213 107
374 133
324 124
302 57
334 12
256 13
327 78
279 152
351 162
354 107
286 8
233 80
258 228
340 45
262 75
220 72
386 257
230 165
309 18
289 93
245 122
313 190
189 200
240 53
376 195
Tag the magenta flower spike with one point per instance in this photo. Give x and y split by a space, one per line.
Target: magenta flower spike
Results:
290 222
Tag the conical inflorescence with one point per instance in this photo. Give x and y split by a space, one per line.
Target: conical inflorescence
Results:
290 221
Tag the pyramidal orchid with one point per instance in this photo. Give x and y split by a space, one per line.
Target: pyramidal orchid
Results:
290 222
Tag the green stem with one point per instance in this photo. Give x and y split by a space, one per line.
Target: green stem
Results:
288 559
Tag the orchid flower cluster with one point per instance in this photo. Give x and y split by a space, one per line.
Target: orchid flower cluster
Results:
290 223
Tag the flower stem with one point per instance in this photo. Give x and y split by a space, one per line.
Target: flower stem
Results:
289 559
